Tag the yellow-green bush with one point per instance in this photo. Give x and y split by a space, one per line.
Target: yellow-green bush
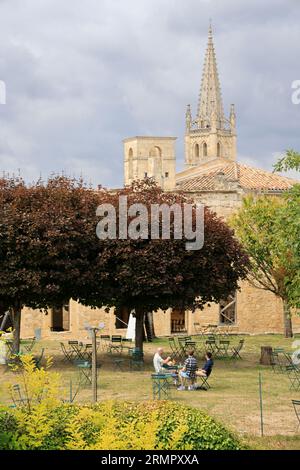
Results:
43 422
115 426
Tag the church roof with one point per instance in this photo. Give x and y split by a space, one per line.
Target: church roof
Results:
206 177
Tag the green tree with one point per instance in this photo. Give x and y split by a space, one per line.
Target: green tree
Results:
290 161
264 228
291 224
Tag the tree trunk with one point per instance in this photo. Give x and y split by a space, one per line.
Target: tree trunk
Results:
139 328
16 318
266 355
287 320
151 326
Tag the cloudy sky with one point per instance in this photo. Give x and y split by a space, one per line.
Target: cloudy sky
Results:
83 75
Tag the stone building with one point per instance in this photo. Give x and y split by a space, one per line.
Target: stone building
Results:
212 176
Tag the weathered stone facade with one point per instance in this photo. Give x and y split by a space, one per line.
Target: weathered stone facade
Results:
152 157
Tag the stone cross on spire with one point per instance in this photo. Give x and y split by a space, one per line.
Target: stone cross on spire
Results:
210 98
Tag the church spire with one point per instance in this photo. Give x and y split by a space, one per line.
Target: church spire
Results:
210 97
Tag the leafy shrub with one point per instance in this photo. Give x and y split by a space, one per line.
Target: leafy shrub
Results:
115 426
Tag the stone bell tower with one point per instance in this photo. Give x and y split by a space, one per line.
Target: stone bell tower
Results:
150 157
210 135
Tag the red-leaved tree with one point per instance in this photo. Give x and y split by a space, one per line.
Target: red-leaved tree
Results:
47 243
146 275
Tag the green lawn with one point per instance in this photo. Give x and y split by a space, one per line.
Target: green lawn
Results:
233 398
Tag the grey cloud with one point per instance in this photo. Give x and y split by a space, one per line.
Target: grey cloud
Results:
81 76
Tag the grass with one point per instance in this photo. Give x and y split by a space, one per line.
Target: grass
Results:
233 398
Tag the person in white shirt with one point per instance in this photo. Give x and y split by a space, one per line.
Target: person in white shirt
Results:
158 361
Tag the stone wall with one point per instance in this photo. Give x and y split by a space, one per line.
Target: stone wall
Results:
258 312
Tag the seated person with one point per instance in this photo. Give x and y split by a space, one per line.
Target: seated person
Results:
207 368
188 372
159 362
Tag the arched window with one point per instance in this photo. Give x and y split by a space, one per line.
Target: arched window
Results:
155 152
196 151
218 149
205 149
155 163
130 163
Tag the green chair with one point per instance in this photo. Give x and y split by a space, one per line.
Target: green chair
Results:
294 377
136 360
161 386
296 406
17 397
85 372
235 351
38 359
210 345
119 363
279 360
28 344
115 344
176 351
222 348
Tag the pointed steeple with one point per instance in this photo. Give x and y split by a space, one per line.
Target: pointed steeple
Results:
210 98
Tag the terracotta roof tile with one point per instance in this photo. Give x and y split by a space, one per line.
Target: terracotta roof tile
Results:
247 177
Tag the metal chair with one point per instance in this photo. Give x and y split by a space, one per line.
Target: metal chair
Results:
293 374
17 397
176 351
104 342
222 348
136 361
161 386
204 382
86 352
115 344
235 351
85 371
210 344
198 329
38 359
68 353
118 363
28 344
279 362
296 406
77 348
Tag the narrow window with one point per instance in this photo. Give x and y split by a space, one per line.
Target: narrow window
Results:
130 163
60 318
178 321
205 149
228 310
122 318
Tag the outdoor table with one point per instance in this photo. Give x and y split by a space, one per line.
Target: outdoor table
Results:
86 351
222 348
161 386
77 349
